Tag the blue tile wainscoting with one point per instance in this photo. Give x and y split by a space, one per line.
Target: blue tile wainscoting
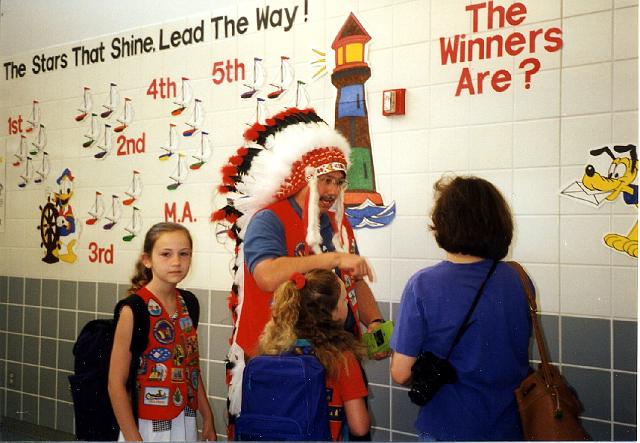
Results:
40 319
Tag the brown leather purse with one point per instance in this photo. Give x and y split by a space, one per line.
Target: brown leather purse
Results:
549 408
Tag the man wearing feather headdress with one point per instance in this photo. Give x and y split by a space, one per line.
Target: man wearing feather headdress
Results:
285 190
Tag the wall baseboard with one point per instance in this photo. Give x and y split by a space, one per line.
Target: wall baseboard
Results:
33 432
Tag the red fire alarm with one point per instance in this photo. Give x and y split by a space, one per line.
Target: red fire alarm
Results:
393 102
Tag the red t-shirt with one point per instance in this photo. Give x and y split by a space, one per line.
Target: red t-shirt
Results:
348 385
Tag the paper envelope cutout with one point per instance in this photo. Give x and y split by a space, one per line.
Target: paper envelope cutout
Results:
580 192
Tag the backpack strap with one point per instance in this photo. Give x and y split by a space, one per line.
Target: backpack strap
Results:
139 339
193 306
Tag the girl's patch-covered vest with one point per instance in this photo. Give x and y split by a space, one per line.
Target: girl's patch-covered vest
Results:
169 369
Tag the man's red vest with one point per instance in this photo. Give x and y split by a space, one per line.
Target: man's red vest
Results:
168 374
256 303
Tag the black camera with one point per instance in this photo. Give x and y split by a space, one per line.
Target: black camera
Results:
429 373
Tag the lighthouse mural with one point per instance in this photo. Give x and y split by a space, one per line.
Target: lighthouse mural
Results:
365 207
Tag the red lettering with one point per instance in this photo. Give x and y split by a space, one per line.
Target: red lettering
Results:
449 51
553 36
465 82
516 13
186 213
501 80
515 43
533 35
475 9
170 212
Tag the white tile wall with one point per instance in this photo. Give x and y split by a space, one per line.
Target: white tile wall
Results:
576 7
625 85
586 290
535 191
542 100
579 135
625 30
536 143
546 280
624 292
530 142
492 147
592 47
581 239
536 239
586 89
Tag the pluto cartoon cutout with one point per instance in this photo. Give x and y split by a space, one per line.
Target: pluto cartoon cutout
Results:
618 182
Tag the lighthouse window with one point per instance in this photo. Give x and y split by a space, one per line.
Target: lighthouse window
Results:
354 53
351 101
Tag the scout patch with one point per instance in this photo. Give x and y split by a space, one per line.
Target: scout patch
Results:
186 324
154 308
156 396
177 398
163 332
158 373
159 355
177 375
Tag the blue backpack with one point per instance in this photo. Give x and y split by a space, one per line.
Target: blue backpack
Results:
284 398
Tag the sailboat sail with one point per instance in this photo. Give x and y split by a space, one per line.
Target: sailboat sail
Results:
40 141
35 117
204 152
127 116
302 96
286 78
134 190
197 119
94 131
135 225
114 100
44 168
186 97
179 174
86 106
107 143
259 78
27 174
21 154
114 215
96 211
260 113
172 145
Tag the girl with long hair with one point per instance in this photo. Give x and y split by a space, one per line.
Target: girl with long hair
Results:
314 306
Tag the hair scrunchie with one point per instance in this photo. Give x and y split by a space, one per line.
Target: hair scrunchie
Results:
298 280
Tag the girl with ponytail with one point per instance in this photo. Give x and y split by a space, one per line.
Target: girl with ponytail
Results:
314 306
168 387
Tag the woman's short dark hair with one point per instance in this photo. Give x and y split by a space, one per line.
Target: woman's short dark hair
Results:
471 217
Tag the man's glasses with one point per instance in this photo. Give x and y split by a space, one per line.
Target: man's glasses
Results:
330 181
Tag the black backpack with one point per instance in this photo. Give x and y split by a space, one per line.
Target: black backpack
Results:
94 416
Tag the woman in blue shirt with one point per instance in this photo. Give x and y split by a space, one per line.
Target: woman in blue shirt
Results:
472 222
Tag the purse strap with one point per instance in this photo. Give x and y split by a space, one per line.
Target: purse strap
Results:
464 325
533 312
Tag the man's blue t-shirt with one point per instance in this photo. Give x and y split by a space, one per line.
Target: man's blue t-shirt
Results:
491 358
265 239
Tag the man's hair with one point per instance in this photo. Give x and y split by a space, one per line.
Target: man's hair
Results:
471 217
